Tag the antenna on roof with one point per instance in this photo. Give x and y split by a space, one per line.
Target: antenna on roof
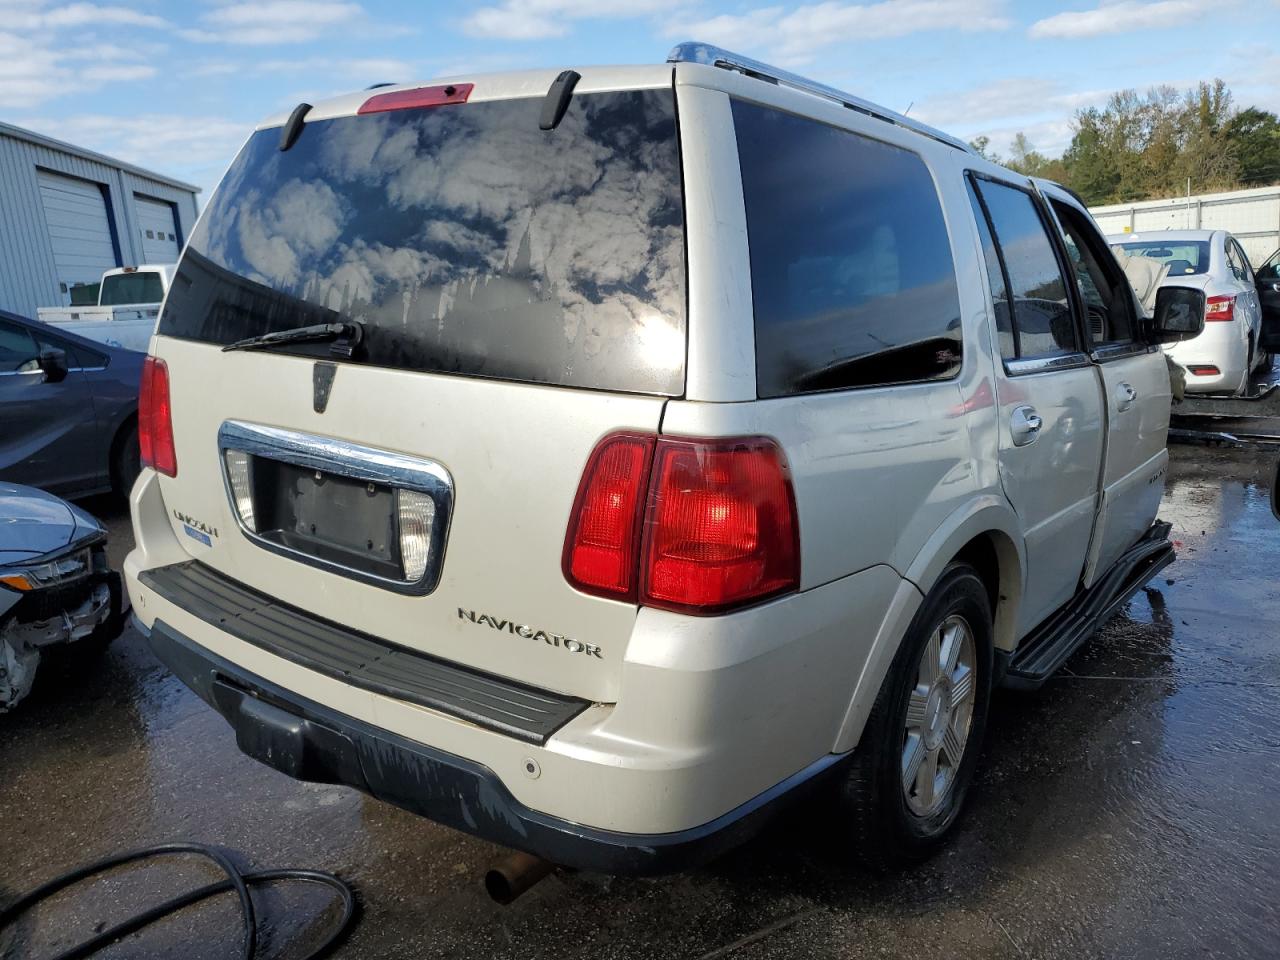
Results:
712 56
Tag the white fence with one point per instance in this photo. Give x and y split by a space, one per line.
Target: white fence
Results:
1252 216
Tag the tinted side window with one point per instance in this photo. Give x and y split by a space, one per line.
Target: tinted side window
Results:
995 276
1271 269
77 356
1242 262
1104 290
17 349
90 358
851 269
1233 262
1041 310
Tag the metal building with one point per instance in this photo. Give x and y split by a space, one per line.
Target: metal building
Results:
68 214
1252 216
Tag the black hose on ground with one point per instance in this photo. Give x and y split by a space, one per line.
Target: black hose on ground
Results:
237 880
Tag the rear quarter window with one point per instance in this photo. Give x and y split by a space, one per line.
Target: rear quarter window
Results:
851 271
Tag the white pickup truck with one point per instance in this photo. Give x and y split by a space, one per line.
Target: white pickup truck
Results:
129 301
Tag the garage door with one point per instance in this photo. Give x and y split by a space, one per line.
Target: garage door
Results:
159 231
79 230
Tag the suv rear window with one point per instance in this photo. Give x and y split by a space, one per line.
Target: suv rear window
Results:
467 240
851 273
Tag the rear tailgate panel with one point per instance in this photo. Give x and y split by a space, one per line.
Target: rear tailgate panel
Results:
516 454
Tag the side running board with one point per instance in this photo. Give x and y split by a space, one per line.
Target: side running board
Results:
1049 646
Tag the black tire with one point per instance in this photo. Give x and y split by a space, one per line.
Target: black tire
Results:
875 815
125 460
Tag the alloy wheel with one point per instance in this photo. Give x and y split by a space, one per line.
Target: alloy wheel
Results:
939 715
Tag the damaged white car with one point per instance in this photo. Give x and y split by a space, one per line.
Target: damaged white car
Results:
55 585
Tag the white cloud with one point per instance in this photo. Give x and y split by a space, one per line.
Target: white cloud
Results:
1125 16
793 34
1049 137
273 22
1004 101
32 17
109 73
539 19
190 146
33 72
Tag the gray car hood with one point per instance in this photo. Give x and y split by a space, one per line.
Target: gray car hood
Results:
34 523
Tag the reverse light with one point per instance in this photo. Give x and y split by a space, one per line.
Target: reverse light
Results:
240 479
155 419
1220 308
416 513
418 97
719 529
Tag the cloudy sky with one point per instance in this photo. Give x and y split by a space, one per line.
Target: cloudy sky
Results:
175 86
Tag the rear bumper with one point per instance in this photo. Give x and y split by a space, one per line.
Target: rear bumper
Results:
312 742
1222 345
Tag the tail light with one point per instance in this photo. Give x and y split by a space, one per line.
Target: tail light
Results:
1203 370
155 419
719 529
1220 308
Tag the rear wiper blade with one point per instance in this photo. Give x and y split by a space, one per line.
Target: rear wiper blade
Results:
347 334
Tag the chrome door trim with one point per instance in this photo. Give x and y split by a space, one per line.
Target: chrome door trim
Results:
1117 351
1058 361
347 459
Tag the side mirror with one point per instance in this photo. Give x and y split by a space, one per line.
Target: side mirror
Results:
1179 315
53 361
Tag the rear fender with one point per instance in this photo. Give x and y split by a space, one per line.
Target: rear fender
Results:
988 516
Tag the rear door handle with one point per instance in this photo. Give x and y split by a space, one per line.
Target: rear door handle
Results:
1125 395
1025 426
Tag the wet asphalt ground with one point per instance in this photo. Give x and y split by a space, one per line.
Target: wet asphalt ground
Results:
1128 809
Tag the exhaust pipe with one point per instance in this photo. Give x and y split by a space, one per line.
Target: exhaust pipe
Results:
513 875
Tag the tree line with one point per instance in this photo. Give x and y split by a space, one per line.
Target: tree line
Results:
1146 146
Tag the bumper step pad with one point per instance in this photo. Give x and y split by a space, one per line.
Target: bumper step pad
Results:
514 709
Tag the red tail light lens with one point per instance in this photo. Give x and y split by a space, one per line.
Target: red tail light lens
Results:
1204 370
603 543
155 419
721 529
1220 308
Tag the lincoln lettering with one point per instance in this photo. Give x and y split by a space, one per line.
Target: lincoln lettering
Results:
530 633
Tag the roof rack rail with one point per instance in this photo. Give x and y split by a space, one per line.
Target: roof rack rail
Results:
712 56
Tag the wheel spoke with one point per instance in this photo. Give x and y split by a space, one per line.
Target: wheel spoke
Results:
961 688
926 777
916 705
912 757
953 642
931 659
952 745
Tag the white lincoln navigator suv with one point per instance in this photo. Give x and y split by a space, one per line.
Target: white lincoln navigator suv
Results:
595 461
